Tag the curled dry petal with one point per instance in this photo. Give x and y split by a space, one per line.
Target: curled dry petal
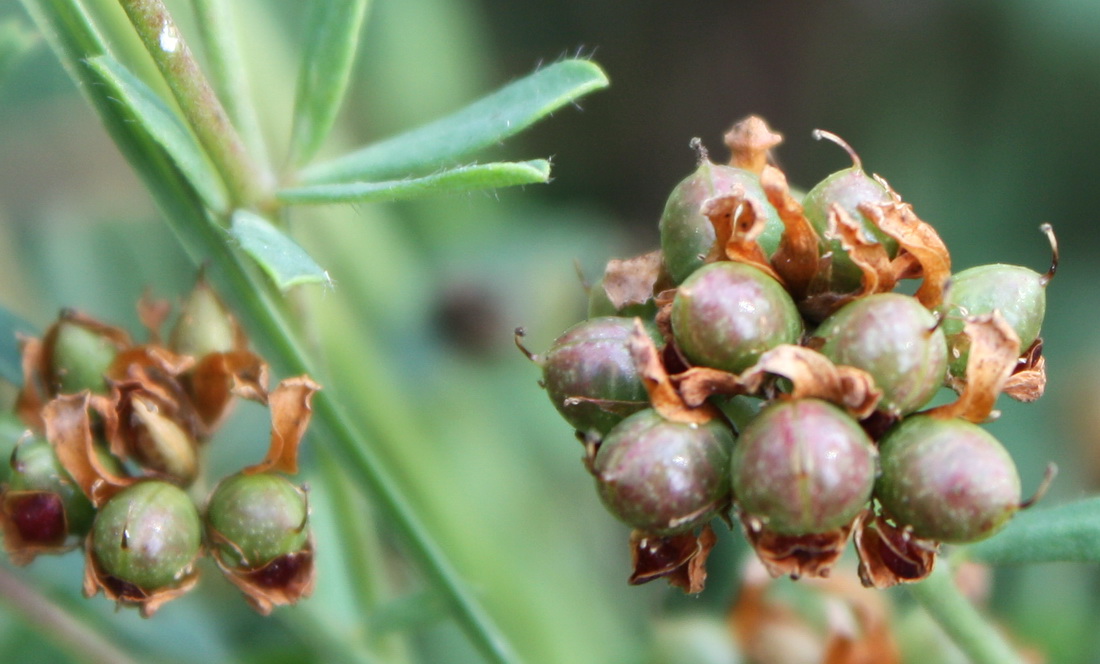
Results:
918 239
797 259
697 384
663 396
1029 379
796 556
32 395
290 415
866 252
993 353
813 375
738 220
68 429
889 555
750 141
148 602
679 558
632 280
218 377
152 313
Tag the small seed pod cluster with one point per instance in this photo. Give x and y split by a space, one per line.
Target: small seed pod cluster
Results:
112 459
763 366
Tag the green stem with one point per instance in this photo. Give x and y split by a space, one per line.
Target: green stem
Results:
972 633
217 29
200 106
56 625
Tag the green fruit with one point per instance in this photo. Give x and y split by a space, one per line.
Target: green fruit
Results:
687 235
592 360
663 477
849 188
80 358
204 325
895 339
35 468
1018 293
254 519
147 535
949 480
803 467
727 314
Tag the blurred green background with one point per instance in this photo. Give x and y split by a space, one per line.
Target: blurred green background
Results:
981 114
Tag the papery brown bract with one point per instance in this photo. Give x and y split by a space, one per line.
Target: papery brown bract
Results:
889 555
680 559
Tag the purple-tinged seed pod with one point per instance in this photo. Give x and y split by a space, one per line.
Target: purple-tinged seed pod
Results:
664 477
803 467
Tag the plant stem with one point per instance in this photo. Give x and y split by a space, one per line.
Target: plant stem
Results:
972 633
56 625
204 113
217 29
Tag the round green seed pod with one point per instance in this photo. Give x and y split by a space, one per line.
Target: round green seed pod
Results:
687 235
1018 293
895 339
727 314
803 467
147 535
592 360
35 467
80 358
949 480
204 325
253 519
663 477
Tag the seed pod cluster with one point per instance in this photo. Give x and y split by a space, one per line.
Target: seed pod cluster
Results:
115 440
764 367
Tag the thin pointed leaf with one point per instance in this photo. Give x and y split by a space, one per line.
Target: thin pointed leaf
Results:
16 41
165 127
10 360
463 178
279 256
486 122
1067 533
332 35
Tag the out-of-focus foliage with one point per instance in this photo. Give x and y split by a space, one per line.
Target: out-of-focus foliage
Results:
979 113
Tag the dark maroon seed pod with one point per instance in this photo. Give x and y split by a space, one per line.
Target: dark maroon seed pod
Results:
727 314
687 235
35 469
803 467
947 480
590 375
664 477
895 339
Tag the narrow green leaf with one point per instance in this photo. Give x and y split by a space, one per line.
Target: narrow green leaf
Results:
10 361
16 40
485 122
463 178
279 256
1067 533
332 35
165 127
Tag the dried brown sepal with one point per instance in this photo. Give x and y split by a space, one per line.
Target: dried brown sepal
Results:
663 395
153 312
738 221
918 239
993 352
663 319
152 432
699 383
68 429
812 375
281 581
290 415
218 377
128 594
681 559
1029 379
889 555
797 259
151 365
32 396
866 252
632 280
750 142
33 523
797 556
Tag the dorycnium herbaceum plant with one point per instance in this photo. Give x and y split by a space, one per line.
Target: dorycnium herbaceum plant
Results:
241 438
